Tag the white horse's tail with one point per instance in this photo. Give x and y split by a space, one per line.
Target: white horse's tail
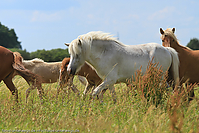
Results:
175 64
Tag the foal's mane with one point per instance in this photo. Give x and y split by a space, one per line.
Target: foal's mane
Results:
33 61
170 33
37 60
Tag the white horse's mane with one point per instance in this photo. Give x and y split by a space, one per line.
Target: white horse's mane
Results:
89 37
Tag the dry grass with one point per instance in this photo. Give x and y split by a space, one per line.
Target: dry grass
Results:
146 106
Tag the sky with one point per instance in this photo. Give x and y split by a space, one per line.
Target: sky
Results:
48 24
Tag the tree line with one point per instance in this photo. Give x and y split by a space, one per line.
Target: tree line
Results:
46 55
9 39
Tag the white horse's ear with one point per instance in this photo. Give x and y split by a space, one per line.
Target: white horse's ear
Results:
67 44
79 43
173 30
161 31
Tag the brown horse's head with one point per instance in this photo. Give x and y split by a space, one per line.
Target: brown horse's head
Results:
168 36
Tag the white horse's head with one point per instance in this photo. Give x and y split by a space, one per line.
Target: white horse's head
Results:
78 50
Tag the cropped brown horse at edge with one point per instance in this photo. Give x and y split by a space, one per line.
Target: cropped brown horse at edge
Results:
12 62
189 59
86 71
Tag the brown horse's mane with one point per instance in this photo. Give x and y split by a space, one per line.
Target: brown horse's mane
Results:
170 33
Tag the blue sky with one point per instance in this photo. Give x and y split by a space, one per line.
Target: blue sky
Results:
48 24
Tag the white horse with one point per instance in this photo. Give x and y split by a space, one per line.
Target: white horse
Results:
49 72
116 62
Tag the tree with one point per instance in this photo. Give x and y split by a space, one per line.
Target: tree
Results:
8 38
50 55
193 44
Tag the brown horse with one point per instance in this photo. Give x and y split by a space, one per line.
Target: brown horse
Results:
86 71
10 63
189 59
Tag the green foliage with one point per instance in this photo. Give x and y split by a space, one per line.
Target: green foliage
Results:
193 44
50 55
8 38
47 55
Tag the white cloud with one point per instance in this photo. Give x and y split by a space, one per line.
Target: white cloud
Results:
162 14
39 16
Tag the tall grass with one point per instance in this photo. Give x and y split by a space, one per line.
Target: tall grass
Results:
144 106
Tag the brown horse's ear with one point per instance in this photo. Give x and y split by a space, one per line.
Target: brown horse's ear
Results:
161 31
173 30
67 44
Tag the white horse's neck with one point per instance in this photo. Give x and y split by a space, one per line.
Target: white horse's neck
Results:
100 54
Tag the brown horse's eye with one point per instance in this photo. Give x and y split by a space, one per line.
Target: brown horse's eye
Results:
162 40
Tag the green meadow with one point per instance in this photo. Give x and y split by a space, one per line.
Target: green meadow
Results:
146 106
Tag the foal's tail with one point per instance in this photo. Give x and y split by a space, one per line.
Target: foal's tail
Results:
26 74
175 64
21 70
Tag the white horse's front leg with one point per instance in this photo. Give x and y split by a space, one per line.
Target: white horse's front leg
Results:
101 87
98 89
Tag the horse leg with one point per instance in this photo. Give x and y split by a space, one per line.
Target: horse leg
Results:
28 92
103 86
102 93
75 90
87 88
11 87
191 95
40 91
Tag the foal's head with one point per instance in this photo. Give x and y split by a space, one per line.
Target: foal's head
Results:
63 71
168 37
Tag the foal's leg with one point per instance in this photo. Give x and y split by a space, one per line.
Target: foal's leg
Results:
75 90
11 87
28 92
87 88
40 90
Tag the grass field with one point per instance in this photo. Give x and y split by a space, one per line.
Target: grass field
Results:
70 113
